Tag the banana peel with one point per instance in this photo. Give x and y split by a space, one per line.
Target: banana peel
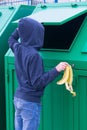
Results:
67 79
65 76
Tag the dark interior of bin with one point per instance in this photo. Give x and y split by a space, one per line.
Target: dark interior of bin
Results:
62 36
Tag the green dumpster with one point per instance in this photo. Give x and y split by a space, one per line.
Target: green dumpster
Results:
7 15
65 40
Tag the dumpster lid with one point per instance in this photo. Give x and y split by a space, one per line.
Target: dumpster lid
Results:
56 15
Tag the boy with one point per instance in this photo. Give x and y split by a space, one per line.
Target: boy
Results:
31 77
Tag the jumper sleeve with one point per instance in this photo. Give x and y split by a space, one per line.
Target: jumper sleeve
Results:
39 78
13 39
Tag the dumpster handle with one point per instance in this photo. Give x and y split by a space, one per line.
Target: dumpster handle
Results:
43 6
74 5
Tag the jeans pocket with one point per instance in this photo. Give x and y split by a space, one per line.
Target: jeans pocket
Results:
27 114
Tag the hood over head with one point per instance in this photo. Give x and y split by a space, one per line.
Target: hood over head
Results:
31 32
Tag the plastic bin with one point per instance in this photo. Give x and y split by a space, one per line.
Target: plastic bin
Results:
65 40
7 15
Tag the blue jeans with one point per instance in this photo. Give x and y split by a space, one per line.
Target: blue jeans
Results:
27 115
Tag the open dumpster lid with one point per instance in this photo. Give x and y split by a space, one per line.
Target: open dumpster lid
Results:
62 22
56 13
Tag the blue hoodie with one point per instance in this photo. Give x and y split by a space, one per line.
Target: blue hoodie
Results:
28 63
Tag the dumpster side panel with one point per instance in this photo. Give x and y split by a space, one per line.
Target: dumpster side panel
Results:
54 103
80 103
60 111
11 82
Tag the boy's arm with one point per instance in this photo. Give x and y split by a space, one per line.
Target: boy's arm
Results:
40 79
13 39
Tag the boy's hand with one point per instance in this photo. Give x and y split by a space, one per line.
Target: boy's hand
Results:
61 66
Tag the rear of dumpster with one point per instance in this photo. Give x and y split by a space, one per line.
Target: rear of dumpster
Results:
65 40
7 14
